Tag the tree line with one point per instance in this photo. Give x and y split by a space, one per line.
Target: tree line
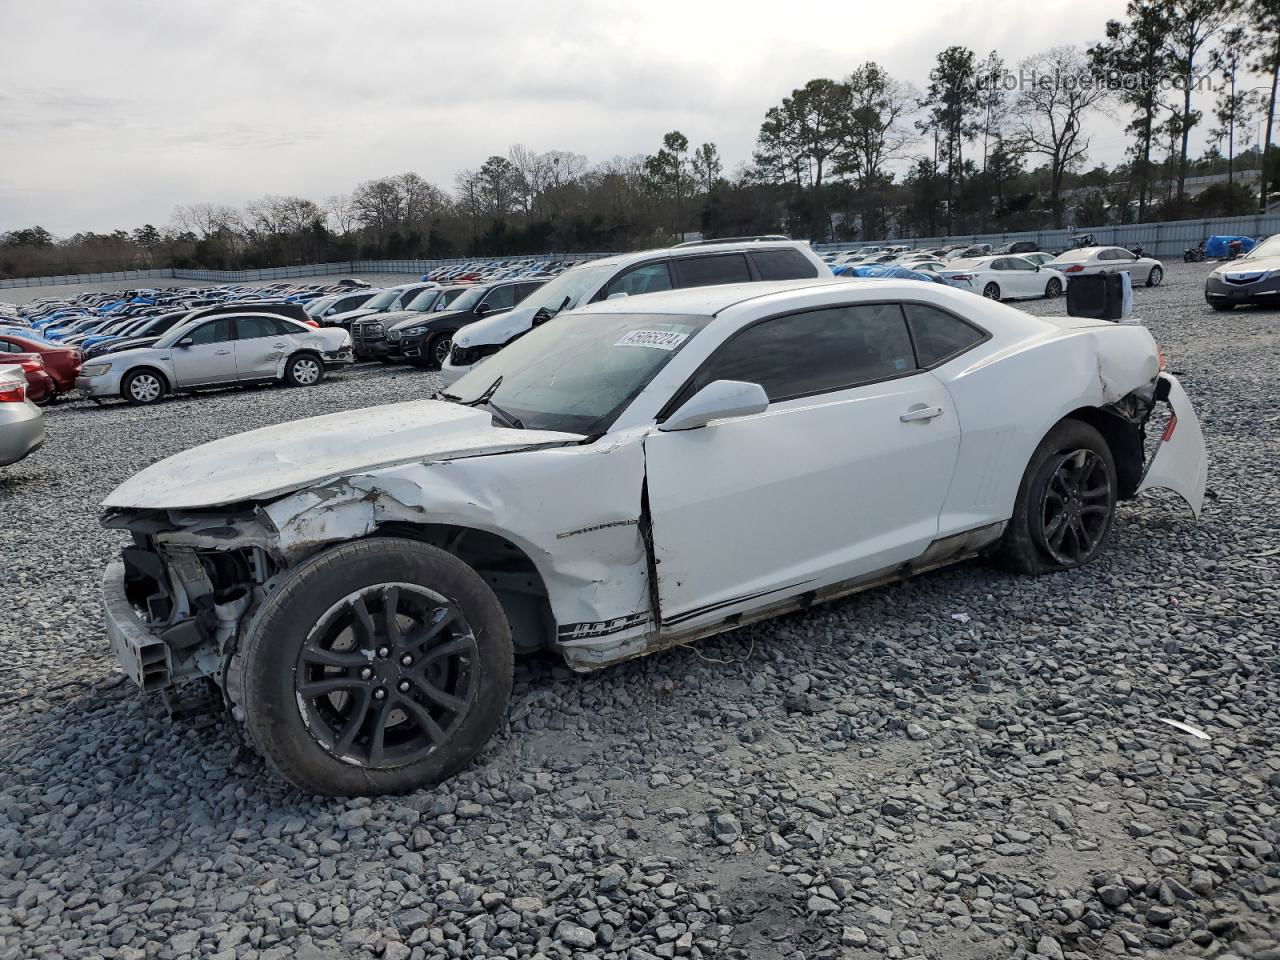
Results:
985 146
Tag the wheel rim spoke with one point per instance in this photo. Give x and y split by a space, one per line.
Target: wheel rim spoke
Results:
362 623
391 614
333 658
321 688
438 696
422 716
449 649
355 720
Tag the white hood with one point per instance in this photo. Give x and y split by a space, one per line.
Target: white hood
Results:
496 329
263 464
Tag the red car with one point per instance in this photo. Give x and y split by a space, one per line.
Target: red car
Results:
41 388
61 363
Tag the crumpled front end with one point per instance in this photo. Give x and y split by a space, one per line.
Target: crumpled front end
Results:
187 588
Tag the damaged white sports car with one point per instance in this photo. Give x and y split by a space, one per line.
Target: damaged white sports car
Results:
631 475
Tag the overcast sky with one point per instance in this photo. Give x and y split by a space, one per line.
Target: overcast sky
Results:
112 112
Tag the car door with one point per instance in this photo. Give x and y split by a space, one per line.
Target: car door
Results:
205 354
261 343
1024 276
842 476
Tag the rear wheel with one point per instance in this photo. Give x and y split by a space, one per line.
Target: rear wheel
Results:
304 370
1053 288
1154 277
1066 503
143 387
380 666
991 291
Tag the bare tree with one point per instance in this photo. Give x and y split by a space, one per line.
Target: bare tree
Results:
874 132
342 213
1050 109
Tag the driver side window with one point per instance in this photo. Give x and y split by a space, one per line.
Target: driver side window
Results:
500 298
818 351
216 331
646 278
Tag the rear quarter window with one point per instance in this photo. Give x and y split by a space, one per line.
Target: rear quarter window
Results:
939 335
713 270
784 264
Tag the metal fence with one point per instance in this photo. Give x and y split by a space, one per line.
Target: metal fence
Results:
1167 239
280 273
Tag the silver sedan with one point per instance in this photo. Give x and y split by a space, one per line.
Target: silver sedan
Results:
223 350
21 421
1089 260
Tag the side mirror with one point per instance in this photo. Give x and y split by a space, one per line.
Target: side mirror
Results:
184 342
719 400
481 309
617 296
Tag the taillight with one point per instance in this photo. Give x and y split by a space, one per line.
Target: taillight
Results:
13 392
1074 268
311 323
1160 358
960 276
1169 428
32 365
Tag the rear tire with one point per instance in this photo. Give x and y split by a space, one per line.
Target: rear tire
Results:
1154 277
143 387
991 291
1053 288
394 687
303 370
1066 503
1222 307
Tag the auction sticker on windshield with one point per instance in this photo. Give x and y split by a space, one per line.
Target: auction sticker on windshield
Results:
659 339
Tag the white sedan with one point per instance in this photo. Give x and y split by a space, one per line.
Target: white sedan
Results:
218 351
628 476
1005 277
1089 260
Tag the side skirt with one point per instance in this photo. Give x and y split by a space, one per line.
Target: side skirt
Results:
940 553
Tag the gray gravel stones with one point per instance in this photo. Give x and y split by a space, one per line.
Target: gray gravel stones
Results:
671 807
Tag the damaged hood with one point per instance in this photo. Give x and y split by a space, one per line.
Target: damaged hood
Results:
266 463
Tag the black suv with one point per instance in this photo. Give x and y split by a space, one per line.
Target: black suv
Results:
425 341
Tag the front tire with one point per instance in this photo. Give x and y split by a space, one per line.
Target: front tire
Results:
991 291
1154 277
304 370
143 387
1066 502
1222 307
379 666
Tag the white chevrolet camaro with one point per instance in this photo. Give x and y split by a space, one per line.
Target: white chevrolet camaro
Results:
631 475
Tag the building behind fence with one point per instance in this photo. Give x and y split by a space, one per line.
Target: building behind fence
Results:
1166 239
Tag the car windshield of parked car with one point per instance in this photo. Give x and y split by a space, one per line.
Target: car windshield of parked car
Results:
424 301
1269 247
381 301
577 373
315 307
467 300
570 288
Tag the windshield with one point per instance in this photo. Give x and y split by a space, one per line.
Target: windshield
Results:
423 301
1269 247
449 296
466 301
578 373
575 283
380 301
315 306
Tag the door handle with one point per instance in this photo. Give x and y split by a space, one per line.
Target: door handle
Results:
920 412
278 346
221 353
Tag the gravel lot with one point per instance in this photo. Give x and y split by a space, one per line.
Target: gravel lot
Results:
967 765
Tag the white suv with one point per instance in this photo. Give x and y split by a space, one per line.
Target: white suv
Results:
697 264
